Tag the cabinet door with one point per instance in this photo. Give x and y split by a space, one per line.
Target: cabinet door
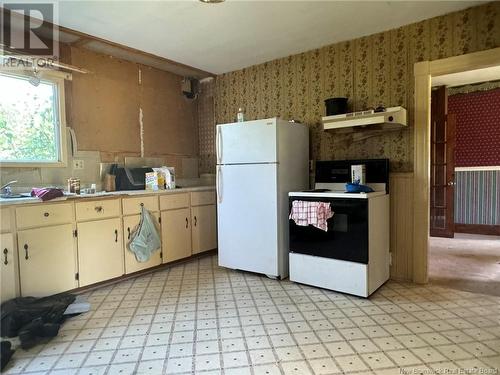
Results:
175 234
8 289
5 220
100 250
46 260
204 228
131 263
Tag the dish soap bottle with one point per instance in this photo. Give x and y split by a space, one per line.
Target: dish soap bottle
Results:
240 116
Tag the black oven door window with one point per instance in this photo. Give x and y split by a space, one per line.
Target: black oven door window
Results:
347 235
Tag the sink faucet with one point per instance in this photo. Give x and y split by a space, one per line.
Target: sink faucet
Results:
6 190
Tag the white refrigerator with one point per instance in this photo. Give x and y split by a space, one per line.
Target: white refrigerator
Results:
258 163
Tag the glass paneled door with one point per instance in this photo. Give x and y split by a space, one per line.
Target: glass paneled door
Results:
442 182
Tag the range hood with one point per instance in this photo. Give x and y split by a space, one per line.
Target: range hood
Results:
392 118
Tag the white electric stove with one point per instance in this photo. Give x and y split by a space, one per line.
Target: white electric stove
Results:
352 256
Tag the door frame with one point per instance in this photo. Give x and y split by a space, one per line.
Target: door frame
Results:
424 71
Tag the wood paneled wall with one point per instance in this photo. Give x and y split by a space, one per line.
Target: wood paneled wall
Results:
401 196
372 70
103 108
477 197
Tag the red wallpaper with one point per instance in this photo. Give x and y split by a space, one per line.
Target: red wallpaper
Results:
478 128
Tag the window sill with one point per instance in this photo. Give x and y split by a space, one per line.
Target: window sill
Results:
58 164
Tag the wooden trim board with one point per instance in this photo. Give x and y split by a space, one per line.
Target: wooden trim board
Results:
490 230
401 240
79 39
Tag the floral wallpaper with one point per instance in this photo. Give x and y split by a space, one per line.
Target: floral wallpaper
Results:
370 71
477 128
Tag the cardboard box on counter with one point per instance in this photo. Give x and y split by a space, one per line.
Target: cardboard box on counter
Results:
160 178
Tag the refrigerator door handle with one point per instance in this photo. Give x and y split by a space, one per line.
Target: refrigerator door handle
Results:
219 145
219 185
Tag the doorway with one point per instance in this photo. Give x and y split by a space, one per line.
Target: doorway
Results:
465 186
428 73
482 65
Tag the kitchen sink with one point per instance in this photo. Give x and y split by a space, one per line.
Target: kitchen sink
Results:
13 196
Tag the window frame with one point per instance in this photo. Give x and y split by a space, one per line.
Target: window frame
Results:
56 78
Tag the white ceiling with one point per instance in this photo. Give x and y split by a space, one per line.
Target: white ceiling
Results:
223 37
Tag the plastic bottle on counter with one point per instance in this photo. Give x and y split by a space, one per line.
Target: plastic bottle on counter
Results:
240 115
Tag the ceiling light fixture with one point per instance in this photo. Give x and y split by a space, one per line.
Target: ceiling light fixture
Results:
212 1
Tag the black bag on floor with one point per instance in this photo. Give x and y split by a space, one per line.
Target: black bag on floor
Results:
5 353
33 318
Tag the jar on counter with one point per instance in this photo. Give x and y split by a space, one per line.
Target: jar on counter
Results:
74 185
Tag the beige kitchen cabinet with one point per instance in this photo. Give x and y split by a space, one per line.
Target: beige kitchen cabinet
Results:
201 198
100 250
175 234
174 201
44 214
204 228
49 248
46 260
132 206
5 221
95 210
131 263
7 268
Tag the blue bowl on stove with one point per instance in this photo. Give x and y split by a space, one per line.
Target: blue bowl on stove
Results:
357 188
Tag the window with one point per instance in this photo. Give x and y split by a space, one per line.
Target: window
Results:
30 121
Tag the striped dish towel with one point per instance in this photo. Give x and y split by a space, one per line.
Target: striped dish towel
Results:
306 213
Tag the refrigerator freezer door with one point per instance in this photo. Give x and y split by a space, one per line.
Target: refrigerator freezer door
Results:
247 142
247 217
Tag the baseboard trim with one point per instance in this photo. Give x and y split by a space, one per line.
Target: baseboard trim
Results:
492 230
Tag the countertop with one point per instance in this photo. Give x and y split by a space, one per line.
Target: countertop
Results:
103 194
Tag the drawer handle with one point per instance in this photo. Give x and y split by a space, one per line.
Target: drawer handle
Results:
195 221
26 254
46 214
116 235
98 208
128 230
187 222
5 252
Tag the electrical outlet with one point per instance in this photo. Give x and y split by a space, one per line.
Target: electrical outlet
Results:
78 164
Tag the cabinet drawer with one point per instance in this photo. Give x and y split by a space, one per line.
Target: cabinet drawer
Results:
97 209
200 198
5 220
132 206
44 214
174 201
